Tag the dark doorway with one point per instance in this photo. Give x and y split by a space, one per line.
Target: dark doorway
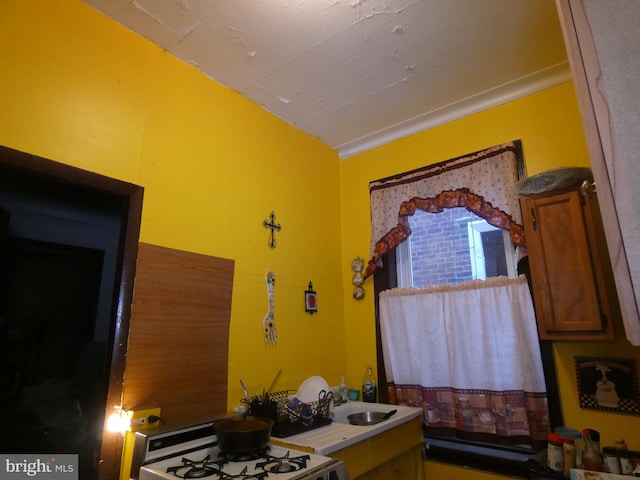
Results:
67 261
52 386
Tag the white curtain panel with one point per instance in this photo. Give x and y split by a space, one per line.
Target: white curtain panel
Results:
476 335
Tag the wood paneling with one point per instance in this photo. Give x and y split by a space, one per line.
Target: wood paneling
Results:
179 334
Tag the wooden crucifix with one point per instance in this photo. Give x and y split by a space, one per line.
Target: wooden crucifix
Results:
275 227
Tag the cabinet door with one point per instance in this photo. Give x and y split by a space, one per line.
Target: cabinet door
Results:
565 267
406 466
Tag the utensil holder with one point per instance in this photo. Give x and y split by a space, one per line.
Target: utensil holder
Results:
264 409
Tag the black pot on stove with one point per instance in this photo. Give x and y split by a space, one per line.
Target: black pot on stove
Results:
243 434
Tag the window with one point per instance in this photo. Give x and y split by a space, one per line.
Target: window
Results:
452 247
481 183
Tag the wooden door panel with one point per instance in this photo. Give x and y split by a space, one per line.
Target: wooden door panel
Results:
179 334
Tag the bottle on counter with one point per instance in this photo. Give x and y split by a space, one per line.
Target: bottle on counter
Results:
555 453
611 460
568 455
342 391
620 444
577 441
627 460
591 457
369 391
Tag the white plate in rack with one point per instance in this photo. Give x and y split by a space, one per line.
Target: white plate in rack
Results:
311 388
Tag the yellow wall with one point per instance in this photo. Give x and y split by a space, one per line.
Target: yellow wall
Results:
81 90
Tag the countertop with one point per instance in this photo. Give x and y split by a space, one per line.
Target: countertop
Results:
338 435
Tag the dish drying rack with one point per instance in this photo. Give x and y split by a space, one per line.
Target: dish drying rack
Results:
291 415
301 411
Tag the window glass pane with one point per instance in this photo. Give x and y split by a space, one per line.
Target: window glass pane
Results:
454 246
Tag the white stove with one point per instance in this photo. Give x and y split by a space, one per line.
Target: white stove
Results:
192 452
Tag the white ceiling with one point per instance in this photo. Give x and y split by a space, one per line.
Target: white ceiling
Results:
360 73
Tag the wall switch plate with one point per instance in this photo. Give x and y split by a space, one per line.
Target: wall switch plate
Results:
140 419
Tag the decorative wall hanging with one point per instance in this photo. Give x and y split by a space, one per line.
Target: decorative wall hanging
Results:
310 300
609 384
357 265
275 227
269 323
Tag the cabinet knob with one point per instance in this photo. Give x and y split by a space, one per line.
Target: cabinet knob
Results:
534 222
588 188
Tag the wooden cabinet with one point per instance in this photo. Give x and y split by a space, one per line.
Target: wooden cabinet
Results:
570 268
393 454
601 38
406 466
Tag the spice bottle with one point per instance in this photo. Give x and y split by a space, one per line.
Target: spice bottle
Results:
627 461
369 386
554 452
577 441
620 444
610 460
591 458
568 455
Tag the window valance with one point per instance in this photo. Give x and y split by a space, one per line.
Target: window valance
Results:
482 182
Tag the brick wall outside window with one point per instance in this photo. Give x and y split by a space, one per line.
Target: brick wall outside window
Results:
440 247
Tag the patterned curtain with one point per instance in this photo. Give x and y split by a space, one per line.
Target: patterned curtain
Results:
468 355
482 182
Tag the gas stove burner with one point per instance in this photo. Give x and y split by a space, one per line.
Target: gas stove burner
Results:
193 452
195 469
284 464
245 457
243 475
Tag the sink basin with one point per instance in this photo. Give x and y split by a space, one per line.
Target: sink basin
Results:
340 433
340 413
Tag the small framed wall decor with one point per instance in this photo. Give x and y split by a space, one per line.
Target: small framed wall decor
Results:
310 300
609 384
